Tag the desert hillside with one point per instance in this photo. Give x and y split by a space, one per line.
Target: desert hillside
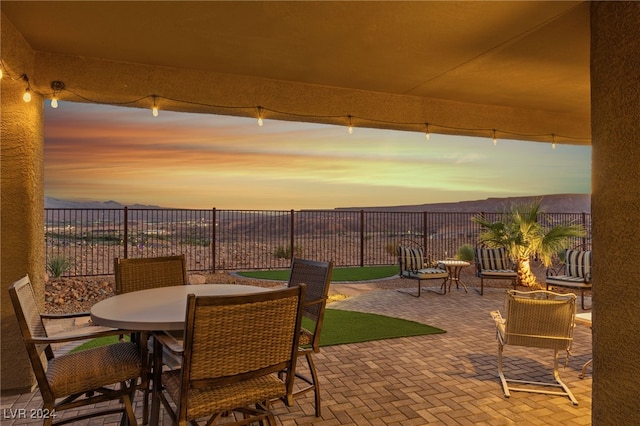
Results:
556 203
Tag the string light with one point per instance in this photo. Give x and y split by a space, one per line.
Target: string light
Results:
553 141
27 91
57 87
260 122
154 110
329 118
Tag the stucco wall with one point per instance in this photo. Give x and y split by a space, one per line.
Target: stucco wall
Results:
22 201
615 206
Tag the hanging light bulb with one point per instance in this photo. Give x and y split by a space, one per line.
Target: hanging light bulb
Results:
495 140
553 141
260 122
1 73
57 87
427 134
154 110
350 129
27 91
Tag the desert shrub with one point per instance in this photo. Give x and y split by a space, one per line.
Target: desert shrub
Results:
58 265
391 248
466 252
285 252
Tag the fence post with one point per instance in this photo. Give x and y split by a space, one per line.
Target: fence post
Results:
214 222
424 232
584 225
126 232
362 238
291 231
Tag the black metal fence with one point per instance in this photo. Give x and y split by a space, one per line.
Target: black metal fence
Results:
258 239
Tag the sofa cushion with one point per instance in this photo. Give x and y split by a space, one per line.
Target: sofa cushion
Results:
567 281
411 259
495 259
578 264
426 274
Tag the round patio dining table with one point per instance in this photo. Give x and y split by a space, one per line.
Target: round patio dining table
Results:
161 308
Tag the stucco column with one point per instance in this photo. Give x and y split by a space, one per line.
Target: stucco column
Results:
615 109
22 218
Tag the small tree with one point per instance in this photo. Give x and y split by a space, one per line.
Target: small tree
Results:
524 237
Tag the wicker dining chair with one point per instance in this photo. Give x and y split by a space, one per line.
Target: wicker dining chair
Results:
149 272
317 276
146 273
233 348
536 319
77 379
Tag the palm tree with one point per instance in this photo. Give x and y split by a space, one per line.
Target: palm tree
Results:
525 237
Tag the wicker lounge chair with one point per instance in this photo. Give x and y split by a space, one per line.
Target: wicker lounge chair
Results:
73 380
234 346
317 277
412 266
538 319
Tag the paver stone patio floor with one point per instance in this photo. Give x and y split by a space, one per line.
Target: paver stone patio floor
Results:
442 379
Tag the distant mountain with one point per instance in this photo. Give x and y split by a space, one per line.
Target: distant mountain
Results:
555 203
55 203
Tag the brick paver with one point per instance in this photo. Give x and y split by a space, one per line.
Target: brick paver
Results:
442 379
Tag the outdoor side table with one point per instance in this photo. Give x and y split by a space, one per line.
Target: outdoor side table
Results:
454 267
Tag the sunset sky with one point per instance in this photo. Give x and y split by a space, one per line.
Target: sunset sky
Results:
100 153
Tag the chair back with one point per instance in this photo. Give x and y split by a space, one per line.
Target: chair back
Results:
410 258
540 319
234 338
31 326
317 276
578 263
152 272
492 258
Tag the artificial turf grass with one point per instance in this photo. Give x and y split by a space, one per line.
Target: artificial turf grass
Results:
338 274
339 327
343 327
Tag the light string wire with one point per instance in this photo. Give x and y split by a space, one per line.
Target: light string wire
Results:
348 118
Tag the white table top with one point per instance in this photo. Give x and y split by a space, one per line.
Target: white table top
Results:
584 318
159 308
454 262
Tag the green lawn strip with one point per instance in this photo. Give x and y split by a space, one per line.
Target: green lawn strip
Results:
338 274
339 327
98 341
342 327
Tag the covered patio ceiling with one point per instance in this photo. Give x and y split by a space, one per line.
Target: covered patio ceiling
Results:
467 68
